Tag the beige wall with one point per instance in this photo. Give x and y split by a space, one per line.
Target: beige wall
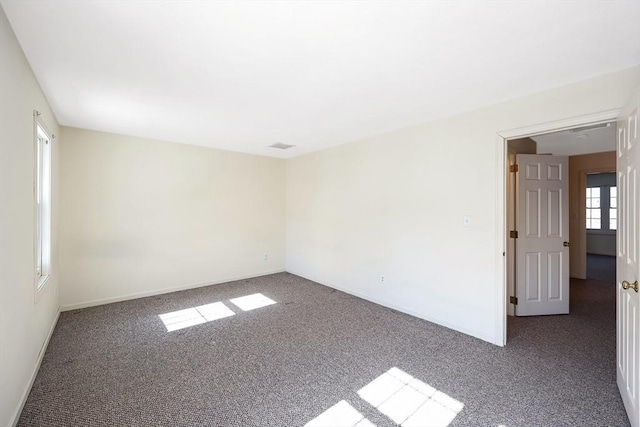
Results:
394 204
579 166
25 323
141 217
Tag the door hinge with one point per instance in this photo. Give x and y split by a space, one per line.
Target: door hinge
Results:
513 300
513 168
513 234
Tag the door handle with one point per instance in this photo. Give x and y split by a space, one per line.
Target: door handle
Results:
565 244
627 285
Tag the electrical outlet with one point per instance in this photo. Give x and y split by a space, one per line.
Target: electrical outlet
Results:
382 279
266 257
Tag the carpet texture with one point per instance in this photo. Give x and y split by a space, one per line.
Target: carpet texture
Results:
311 353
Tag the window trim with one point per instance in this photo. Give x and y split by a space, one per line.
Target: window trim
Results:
43 211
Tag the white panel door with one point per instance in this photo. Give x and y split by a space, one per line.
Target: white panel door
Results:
628 267
542 252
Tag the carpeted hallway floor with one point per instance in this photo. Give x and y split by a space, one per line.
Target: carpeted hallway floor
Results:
318 355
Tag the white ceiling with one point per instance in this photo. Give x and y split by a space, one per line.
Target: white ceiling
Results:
243 75
585 140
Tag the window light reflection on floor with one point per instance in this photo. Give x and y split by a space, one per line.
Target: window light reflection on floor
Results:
342 414
181 319
409 401
404 399
251 302
194 316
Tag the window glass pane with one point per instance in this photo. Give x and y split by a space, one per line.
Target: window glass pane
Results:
43 206
613 204
613 197
593 219
39 207
593 197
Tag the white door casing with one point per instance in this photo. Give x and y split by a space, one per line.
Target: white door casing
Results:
627 263
542 259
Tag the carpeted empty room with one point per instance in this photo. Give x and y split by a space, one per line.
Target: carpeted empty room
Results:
300 353
319 213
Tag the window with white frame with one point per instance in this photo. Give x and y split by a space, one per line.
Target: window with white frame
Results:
601 202
43 205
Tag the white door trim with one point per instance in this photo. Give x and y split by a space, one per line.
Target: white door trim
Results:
501 199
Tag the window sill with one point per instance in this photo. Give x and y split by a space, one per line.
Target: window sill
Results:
41 282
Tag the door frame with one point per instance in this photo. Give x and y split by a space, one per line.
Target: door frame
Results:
502 162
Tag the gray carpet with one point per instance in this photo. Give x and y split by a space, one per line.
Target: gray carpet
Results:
286 364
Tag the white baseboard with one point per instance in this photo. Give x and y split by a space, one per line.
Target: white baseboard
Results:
477 334
127 297
13 421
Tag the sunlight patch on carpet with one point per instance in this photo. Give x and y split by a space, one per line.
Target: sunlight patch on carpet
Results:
251 302
405 400
181 319
342 414
408 401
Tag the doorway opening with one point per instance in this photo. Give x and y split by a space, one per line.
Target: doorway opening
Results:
528 136
533 275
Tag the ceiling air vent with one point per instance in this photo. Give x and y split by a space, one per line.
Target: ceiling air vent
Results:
281 146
